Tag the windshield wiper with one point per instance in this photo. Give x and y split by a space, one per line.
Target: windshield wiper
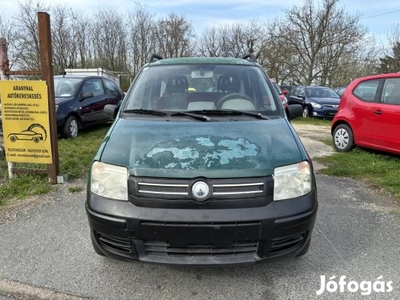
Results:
193 115
145 112
231 112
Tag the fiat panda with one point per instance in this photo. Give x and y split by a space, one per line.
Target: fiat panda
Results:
201 166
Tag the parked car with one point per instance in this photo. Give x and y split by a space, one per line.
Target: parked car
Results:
280 94
317 101
209 176
340 90
80 101
286 89
369 115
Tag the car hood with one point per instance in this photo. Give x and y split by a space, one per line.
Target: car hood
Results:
331 101
195 149
62 100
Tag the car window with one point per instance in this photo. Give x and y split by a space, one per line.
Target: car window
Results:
94 86
111 87
196 87
391 91
65 87
321 92
367 90
301 92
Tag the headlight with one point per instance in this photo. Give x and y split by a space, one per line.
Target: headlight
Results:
315 105
284 102
109 181
292 181
56 107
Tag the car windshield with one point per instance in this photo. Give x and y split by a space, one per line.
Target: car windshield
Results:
208 87
65 87
321 93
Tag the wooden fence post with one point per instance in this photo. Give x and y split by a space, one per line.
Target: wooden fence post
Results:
4 66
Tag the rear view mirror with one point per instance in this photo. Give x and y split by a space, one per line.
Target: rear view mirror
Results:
202 74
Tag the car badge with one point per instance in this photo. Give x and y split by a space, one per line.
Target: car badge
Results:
200 191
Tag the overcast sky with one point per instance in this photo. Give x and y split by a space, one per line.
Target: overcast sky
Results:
379 16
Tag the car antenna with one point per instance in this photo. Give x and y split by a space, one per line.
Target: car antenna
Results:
154 57
251 56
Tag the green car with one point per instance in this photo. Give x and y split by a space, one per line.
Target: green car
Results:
201 167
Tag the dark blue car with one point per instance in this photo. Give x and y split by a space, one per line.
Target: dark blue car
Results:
317 101
80 101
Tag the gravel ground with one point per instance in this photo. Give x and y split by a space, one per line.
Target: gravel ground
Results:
311 136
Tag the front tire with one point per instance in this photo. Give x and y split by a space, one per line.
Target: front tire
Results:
343 138
305 112
70 128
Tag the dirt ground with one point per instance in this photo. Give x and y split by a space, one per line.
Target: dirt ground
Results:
311 136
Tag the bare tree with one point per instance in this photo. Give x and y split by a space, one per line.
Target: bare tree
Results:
174 36
391 61
109 40
235 40
26 37
65 52
141 38
209 44
318 40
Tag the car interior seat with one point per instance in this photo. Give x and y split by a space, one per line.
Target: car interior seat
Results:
65 89
228 83
89 87
394 96
174 96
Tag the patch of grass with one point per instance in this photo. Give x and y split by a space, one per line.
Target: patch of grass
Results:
75 189
24 186
328 142
378 169
75 156
312 121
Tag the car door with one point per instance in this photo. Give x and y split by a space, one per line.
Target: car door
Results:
297 97
114 94
93 102
385 116
365 111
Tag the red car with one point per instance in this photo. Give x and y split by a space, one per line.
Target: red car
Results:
280 93
369 115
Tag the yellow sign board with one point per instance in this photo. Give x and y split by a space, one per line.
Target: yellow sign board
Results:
26 122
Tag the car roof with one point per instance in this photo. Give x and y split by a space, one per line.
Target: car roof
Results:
79 76
203 60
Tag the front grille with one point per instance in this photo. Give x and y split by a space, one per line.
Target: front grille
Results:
190 239
282 244
121 245
236 249
237 189
217 188
158 188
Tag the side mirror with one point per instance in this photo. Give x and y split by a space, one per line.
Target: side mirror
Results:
86 95
111 110
294 111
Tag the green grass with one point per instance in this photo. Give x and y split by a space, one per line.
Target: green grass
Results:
380 170
75 189
312 121
75 156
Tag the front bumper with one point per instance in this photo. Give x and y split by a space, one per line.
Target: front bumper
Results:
201 236
324 113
